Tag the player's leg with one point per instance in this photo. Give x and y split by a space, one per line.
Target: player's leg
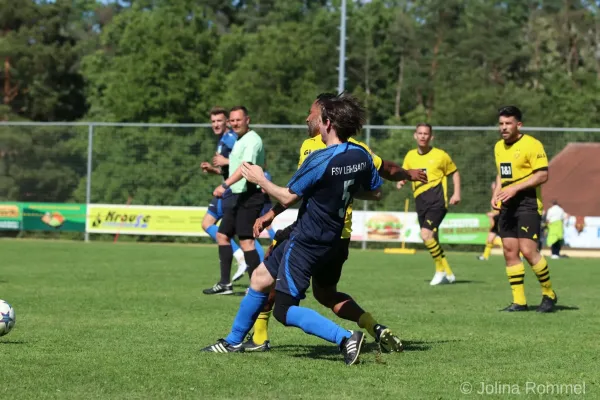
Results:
212 216
260 337
430 222
248 213
529 233
261 283
489 244
515 270
324 282
292 282
224 235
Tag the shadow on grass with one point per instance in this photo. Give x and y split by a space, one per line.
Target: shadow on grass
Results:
12 342
332 353
456 282
558 307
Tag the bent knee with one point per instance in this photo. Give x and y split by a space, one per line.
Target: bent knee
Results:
283 302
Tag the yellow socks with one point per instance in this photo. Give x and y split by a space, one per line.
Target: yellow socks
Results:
516 278
261 328
488 250
366 321
446 265
436 253
543 274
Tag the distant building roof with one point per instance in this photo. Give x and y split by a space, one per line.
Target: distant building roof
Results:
574 180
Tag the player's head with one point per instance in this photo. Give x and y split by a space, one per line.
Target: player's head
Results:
509 123
239 120
314 115
343 114
218 120
423 134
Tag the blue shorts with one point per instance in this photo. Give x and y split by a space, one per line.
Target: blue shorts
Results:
215 208
293 264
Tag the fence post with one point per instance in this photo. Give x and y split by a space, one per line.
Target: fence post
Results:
88 181
365 203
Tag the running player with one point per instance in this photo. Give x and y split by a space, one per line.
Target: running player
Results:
328 181
431 198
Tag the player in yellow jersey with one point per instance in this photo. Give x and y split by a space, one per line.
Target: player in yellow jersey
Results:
431 198
340 303
522 169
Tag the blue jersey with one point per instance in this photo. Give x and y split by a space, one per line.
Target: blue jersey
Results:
224 147
327 181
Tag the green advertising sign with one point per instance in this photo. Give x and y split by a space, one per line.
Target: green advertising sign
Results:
64 217
465 229
11 217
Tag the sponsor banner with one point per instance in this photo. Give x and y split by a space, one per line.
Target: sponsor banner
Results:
65 217
11 217
583 237
398 226
145 220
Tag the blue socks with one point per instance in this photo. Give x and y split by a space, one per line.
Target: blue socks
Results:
249 309
259 250
314 323
212 232
271 233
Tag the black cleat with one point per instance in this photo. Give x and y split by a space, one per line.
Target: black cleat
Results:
515 307
388 342
249 345
219 288
223 347
547 304
351 347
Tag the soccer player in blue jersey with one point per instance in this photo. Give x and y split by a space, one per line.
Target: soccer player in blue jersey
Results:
220 166
327 181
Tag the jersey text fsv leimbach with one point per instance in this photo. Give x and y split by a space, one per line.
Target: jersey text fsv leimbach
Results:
327 181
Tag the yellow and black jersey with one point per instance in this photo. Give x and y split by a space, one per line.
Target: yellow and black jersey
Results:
316 143
437 164
518 161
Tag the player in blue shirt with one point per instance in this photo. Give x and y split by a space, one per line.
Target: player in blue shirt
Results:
220 166
327 181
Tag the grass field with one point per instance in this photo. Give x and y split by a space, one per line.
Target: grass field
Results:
126 321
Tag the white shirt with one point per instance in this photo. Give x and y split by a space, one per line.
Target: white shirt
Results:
555 213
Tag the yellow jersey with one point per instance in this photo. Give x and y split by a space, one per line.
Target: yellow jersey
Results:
316 143
437 164
518 161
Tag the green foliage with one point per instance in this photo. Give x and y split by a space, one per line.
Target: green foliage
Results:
447 62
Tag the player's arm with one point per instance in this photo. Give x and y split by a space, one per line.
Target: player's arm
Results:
494 201
375 195
220 161
455 199
253 173
371 190
391 171
206 167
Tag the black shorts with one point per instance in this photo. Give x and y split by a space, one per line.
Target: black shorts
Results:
519 224
431 219
240 212
495 227
293 264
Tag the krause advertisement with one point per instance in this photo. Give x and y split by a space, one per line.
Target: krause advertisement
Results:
11 217
145 220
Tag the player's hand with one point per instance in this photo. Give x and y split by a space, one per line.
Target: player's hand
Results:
495 204
416 175
219 161
506 194
455 199
252 173
219 191
263 222
206 167
399 184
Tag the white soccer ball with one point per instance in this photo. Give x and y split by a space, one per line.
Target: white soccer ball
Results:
7 318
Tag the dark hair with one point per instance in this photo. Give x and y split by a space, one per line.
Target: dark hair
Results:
218 110
420 124
510 111
237 108
345 113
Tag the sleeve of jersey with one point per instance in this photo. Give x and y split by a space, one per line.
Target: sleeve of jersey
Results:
229 140
376 181
450 166
311 170
251 152
537 157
